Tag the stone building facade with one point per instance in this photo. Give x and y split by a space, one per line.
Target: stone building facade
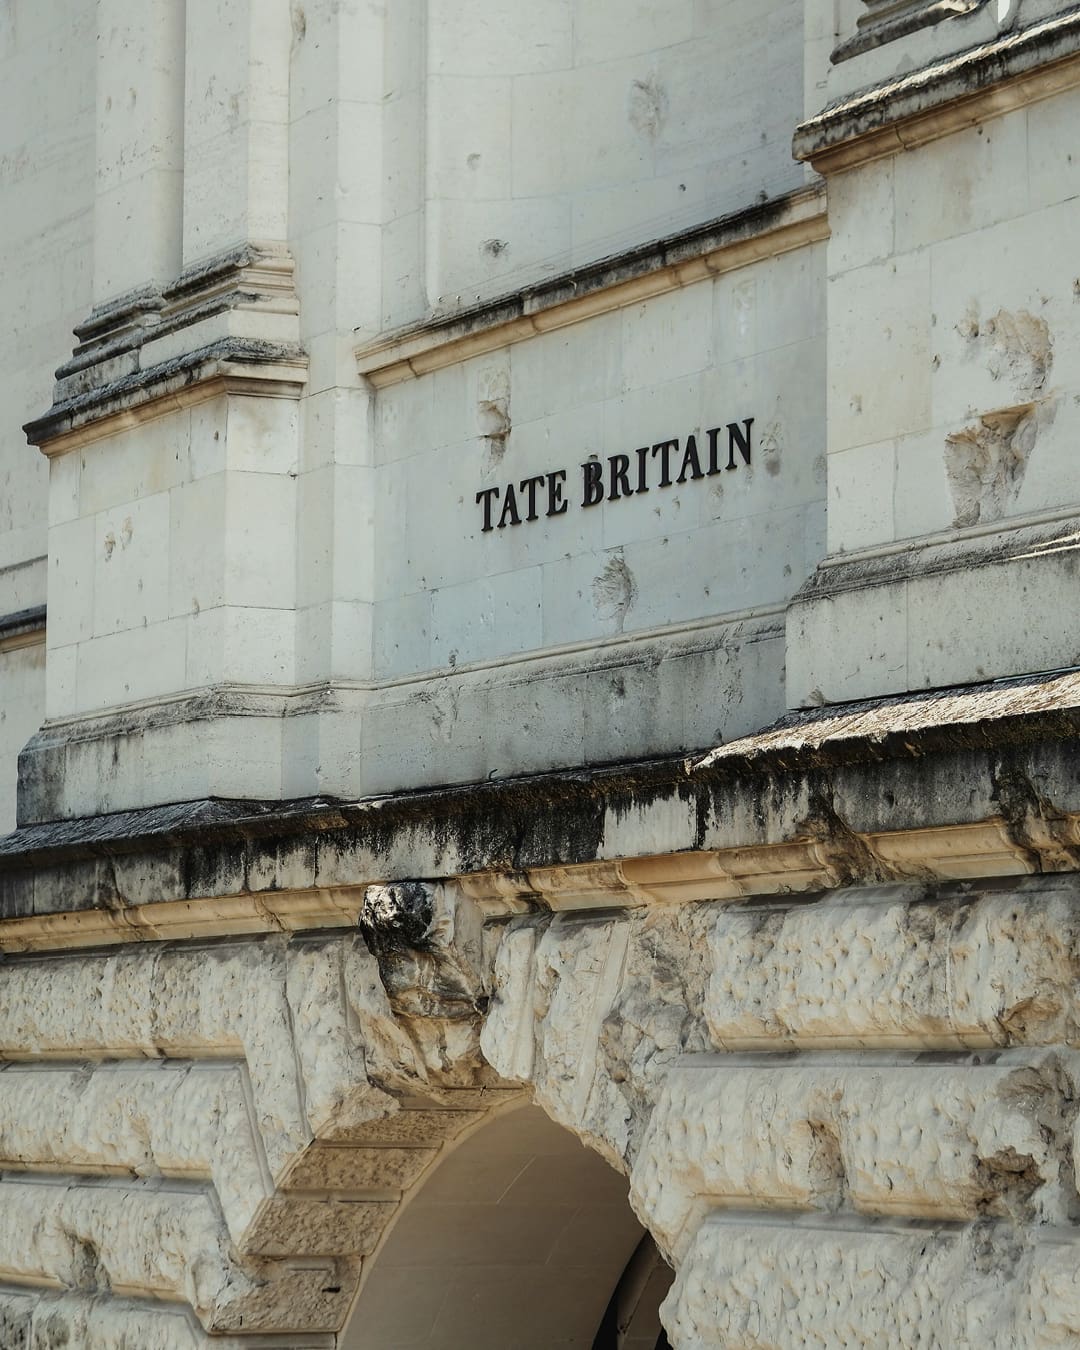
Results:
539 688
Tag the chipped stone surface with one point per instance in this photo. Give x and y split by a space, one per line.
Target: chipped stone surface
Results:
33 1320
185 1120
952 1142
287 1226
353 1168
554 986
296 689
895 967
750 1286
648 1033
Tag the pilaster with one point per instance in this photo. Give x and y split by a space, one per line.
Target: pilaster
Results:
952 354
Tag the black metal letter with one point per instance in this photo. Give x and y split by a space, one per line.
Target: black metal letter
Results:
529 486
556 505
714 449
738 438
620 468
487 496
592 474
665 448
642 453
690 461
509 508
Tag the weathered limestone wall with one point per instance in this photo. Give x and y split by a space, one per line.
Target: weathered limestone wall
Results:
22 677
46 277
848 1117
951 506
571 132
810 995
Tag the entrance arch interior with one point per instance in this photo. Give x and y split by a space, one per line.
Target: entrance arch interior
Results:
521 1238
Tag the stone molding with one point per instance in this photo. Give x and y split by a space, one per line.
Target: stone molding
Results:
950 785
763 231
889 20
25 628
949 95
919 578
158 348
211 1140
227 366
59 767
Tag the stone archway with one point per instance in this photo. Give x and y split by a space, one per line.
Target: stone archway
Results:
519 1237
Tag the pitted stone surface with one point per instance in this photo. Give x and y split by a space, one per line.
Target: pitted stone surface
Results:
231 1059
613 1021
554 986
188 1121
36 1320
355 1168
291 1226
756 1287
149 1240
897 967
954 1142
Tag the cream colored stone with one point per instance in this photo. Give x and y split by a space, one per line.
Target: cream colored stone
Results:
885 968
354 1168
558 1000
141 1239
187 1122
48 1319
925 1142
750 1285
281 1008
290 1227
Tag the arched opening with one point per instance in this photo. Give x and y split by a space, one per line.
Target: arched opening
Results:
520 1239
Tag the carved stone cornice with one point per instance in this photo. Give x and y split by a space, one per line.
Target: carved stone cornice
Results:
957 91
950 785
228 321
888 20
664 265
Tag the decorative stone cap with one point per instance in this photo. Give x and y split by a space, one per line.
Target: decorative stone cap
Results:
888 20
222 318
957 91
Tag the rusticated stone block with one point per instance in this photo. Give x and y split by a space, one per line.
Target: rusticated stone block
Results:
313 1297
288 1226
411 1128
878 968
930 1142
68 1320
355 1168
757 1286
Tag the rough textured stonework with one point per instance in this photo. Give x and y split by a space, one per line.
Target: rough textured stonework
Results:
539 683
823 1111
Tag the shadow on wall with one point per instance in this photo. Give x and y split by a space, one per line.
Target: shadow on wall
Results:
522 1239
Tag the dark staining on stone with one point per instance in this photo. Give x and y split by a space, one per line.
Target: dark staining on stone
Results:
398 917
848 858
1035 826
138 386
410 930
814 775
610 271
912 94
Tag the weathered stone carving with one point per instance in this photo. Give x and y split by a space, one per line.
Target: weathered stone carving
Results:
428 958
888 20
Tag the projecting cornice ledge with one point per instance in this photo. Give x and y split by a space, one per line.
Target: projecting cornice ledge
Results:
761 231
949 785
229 365
959 91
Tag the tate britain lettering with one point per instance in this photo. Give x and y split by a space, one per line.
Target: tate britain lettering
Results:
660 465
